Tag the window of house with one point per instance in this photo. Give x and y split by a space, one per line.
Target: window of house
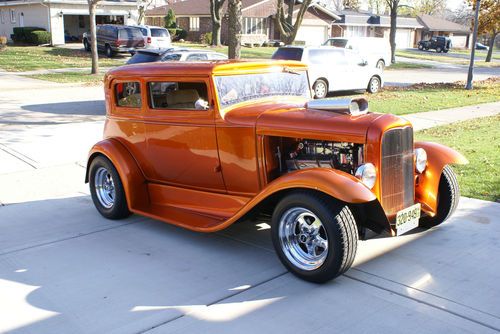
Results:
178 95
12 16
255 25
2 16
194 23
128 94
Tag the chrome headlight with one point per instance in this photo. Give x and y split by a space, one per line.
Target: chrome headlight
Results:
420 159
367 174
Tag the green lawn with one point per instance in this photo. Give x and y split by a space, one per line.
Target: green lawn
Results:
482 53
405 65
427 97
28 58
479 141
445 58
71 77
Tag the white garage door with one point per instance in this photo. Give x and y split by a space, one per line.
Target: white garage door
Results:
403 39
312 35
458 41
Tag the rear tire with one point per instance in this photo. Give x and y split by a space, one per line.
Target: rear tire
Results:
320 88
86 45
106 189
314 236
420 47
381 65
373 85
447 200
108 51
439 49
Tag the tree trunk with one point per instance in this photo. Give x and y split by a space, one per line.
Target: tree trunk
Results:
93 38
235 23
492 44
392 33
215 13
216 33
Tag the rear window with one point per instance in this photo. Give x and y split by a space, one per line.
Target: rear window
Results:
338 43
129 33
327 56
143 57
159 32
128 94
288 54
172 56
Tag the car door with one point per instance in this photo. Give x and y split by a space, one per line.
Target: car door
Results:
359 70
328 63
181 135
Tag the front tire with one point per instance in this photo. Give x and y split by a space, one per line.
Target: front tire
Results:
108 51
320 88
447 200
314 236
86 45
373 85
381 65
106 189
439 49
420 47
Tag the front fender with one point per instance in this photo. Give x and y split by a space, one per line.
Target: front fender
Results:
334 183
438 156
133 180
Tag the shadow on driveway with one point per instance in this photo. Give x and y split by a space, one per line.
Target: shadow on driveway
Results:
81 108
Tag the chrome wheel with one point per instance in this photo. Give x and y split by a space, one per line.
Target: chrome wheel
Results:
374 85
303 238
104 187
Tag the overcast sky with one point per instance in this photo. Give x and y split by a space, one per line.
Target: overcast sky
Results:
454 4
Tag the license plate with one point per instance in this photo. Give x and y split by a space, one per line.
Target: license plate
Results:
407 219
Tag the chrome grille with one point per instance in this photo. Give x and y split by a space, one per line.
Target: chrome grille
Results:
397 184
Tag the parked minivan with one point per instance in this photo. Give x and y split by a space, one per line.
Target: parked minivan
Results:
112 39
376 50
334 69
155 37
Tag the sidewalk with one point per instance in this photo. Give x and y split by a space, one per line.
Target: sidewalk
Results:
425 120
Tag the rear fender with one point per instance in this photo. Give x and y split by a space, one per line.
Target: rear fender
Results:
131 176
438 156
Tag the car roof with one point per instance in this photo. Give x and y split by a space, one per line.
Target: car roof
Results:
203 68
173 50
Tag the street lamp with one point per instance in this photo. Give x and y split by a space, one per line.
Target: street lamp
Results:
473 50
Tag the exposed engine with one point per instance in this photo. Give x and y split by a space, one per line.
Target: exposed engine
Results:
313 153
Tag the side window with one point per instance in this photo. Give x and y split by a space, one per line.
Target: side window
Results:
128 94
197 56
178 95
144 32
174 56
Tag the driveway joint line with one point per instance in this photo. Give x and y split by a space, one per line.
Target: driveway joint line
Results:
215 302
425 303
18 158
70 238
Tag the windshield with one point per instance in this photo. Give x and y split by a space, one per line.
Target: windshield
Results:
239 88
155 32
288 54
338 43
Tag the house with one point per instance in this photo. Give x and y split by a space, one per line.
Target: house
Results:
258 21
435 26
63 18
409 30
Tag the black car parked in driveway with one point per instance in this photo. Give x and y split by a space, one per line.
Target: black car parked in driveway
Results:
438 43
113 39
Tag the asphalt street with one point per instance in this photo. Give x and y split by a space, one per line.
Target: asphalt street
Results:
65 269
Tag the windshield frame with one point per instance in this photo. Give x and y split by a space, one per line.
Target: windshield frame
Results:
290 70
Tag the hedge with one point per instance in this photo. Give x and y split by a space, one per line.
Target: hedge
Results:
38 37
24 35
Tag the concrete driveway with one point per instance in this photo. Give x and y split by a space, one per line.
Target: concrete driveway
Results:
63 268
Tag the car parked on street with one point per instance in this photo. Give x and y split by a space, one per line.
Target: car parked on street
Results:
438 43
375 50
155 37
174 54
334 69
113 39
204 145
480 46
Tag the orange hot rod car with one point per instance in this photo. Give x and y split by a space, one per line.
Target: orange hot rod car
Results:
201 145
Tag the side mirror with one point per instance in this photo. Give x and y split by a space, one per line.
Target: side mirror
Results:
363 63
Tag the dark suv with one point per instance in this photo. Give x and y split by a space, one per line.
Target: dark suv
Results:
113 39
438 43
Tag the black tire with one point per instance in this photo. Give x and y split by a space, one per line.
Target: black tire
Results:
420 47
119 208
447 200
373 85
439 49
340 231
86 45
108 51
320 89
381 65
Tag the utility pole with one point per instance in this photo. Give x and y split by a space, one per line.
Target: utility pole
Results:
473 49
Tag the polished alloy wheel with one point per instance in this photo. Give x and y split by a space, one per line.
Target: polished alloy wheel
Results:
303 238
104 187
374 85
